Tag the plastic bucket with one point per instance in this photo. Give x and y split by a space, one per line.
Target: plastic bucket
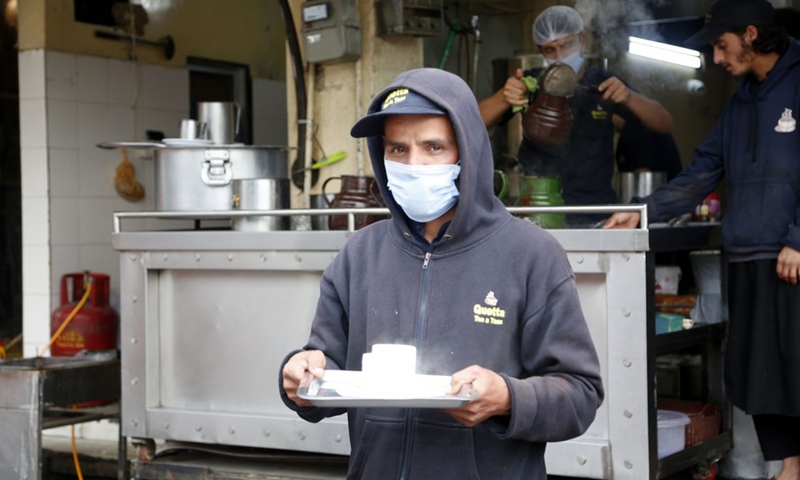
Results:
671 432
667 279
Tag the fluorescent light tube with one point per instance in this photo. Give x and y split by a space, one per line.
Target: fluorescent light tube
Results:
664 52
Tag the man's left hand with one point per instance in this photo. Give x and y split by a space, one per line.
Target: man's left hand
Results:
495 398
788 265
614 90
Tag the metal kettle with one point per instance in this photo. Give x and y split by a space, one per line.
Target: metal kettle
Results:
548 120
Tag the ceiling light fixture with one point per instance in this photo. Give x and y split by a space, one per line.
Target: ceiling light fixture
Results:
664 52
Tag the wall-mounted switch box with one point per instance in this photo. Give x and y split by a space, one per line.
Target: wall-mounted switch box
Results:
331 30
409 17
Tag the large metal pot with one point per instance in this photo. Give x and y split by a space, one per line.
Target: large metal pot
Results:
639 184
201 178
261 194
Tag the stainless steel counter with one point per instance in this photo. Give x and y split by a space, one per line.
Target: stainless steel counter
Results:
207 316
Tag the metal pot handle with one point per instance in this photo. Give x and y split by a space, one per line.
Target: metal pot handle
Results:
238 108
324 196
216 169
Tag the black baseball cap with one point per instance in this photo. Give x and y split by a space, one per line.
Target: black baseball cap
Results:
729 14
399 102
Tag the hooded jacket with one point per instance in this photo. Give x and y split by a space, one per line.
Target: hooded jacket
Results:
760 160
494 290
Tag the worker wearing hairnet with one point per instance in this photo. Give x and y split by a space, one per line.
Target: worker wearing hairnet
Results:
585 162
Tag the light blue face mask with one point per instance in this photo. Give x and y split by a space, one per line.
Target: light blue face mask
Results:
424 192
574 60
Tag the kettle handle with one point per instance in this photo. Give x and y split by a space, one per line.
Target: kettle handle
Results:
376 195
325 196
504 179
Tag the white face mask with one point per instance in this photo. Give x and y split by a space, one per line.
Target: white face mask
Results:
574 60
425 192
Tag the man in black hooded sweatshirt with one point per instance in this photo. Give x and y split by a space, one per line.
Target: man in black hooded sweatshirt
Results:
486 298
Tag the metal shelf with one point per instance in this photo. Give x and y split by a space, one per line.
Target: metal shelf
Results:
697 336
59 417
710 450
685 237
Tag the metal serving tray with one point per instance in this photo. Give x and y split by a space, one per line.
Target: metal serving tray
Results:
344 388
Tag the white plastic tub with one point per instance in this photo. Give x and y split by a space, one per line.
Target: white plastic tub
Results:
671 432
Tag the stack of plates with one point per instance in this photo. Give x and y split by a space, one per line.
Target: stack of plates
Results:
344 388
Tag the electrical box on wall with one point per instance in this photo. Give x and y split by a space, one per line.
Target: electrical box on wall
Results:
409 17
331 30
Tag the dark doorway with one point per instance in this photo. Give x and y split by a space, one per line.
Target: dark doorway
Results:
216 81
10 191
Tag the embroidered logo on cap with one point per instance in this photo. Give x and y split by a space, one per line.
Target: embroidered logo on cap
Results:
786 123
395 97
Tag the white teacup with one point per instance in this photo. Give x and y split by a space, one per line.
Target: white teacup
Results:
390 361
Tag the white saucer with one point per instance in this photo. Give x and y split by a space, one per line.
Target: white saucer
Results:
187 142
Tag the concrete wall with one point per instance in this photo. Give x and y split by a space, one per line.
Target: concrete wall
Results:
339 94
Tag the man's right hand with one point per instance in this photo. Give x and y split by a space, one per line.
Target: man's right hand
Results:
515 92
623 220
297 368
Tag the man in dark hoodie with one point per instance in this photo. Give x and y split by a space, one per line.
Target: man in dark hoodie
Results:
485 297
756 146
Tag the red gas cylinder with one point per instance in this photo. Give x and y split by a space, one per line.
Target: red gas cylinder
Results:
95 326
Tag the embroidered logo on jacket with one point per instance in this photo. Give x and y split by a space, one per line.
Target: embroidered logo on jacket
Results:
489 314
599 113
786 123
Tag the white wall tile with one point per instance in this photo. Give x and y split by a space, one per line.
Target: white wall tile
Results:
35 222
36 269
122 80
55 300
31 74
60 69
63 167
62 129
34 172
92 79
96 220
33 123
97 172
36 314
102 259
166 121
103 123
32 349
64 221
65 259
145 172
164 88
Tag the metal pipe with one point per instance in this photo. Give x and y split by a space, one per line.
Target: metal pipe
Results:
475 55
351 212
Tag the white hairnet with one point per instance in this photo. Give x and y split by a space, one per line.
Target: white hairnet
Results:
556 22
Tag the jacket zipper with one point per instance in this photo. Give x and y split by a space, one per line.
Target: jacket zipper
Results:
754 128
409 429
